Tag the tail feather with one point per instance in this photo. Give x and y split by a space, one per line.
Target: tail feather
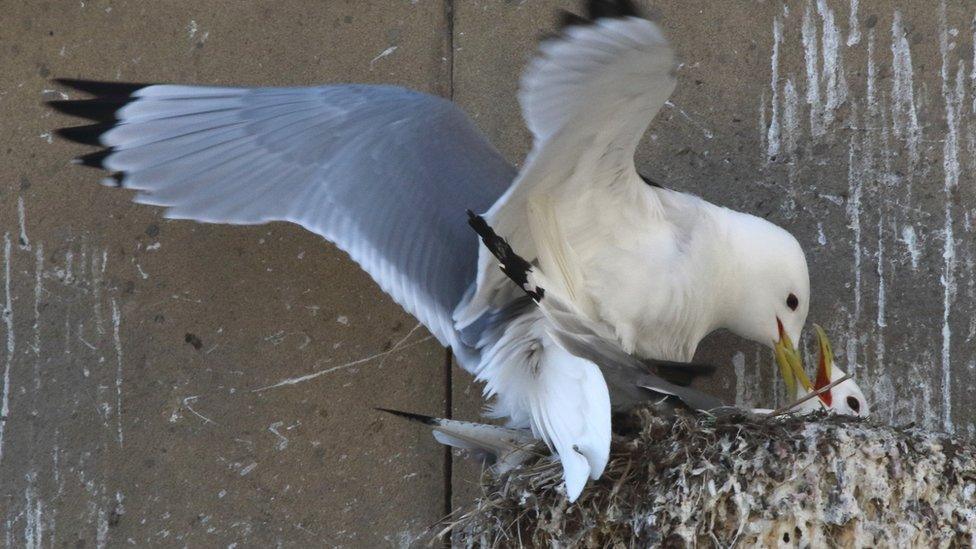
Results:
506 448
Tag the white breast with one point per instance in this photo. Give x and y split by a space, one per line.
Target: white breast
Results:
642 270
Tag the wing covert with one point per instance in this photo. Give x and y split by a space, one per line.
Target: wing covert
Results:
383 172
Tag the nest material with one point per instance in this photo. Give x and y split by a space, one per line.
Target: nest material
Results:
739 480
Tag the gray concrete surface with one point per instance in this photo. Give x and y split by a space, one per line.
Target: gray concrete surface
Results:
136 346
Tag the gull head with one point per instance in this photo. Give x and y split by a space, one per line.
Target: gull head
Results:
766 294
844 398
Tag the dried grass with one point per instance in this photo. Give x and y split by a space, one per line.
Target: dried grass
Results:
740 480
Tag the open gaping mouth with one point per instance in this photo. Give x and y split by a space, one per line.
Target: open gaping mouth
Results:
791 365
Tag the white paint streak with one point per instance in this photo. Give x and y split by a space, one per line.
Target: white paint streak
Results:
773 134
117 340
739 363
38 292
693 121
34 515
282 440
951 169
21 217
247 470
882 323
763 130
911 243
972 74
96 290
385 53
186 403
790 132
811 55
854 177
853 26
8 319
833 75
309 377
903 109
101 530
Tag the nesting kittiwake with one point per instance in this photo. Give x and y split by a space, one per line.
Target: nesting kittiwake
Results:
387 174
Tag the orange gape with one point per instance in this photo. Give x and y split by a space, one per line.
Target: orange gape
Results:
823 379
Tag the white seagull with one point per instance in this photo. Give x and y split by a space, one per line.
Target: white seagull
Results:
387 174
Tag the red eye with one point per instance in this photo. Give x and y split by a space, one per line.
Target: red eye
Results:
792 302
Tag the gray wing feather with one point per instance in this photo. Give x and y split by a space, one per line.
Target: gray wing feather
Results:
628 376
383 172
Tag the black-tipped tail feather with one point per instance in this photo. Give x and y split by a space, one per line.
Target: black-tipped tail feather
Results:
426 420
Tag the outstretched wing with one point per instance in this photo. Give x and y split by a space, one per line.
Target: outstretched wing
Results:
587 97
383 172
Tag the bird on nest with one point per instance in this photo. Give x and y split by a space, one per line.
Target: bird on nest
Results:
387 174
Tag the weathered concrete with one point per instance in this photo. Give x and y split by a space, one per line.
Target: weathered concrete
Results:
861 143
137 344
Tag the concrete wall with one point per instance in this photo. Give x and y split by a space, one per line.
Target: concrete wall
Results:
135 349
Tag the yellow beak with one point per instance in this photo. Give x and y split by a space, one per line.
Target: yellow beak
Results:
791 366
824 365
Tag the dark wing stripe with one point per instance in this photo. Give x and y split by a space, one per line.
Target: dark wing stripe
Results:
96 87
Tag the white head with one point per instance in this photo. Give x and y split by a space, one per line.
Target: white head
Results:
844 398
768 293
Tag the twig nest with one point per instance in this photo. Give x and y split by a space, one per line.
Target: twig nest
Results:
741 480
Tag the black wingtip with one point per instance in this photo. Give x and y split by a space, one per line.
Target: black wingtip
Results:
651 182
86 135
114 180
570 19
101 88
426 420
683 374
95 159
598 9
97 110
513 265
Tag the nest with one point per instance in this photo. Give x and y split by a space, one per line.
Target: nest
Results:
694 479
